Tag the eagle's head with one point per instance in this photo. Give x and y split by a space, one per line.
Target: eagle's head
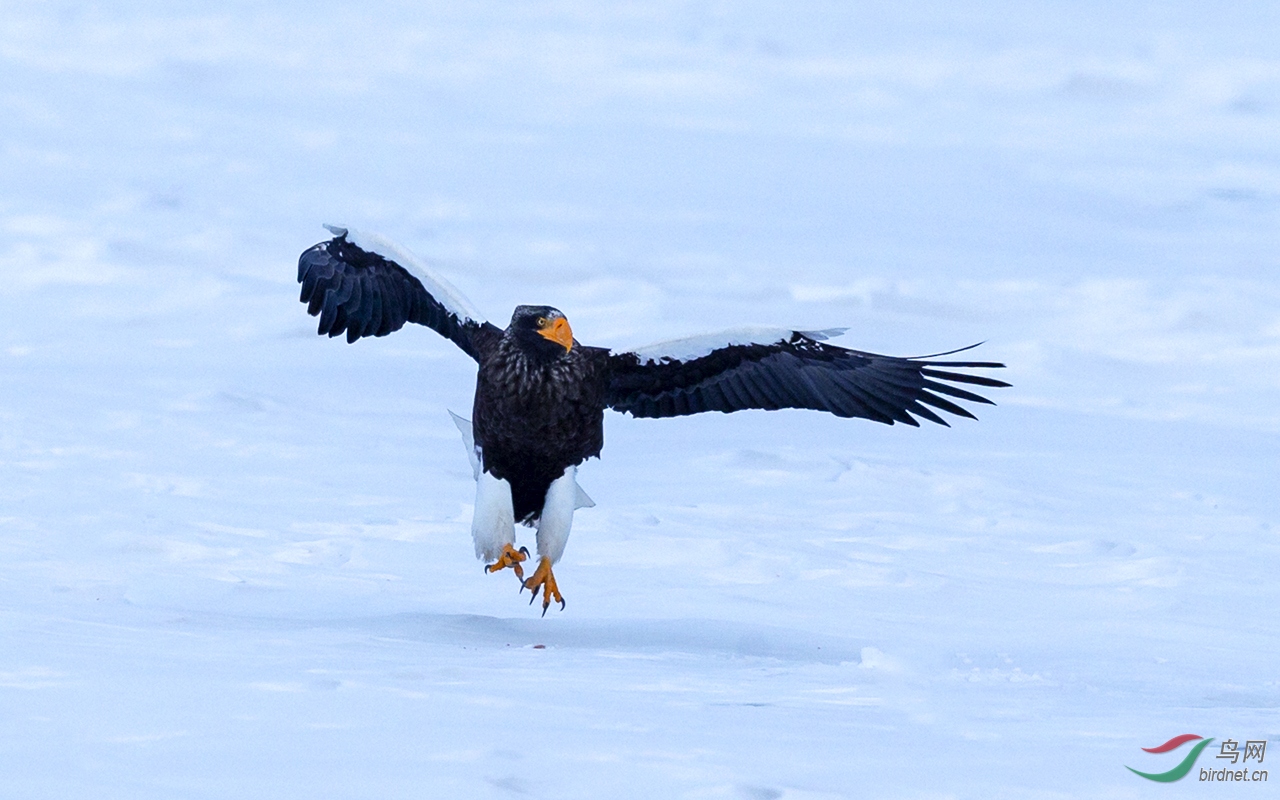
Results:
541 330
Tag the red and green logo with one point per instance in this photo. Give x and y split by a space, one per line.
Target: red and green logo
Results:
1179 772
1230 750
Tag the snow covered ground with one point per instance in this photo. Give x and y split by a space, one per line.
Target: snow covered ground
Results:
235 557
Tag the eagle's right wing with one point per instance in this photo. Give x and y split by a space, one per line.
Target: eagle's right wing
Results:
366 286
772 368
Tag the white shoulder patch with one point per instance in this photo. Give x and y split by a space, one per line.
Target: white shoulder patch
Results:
435 284
692 347
468 441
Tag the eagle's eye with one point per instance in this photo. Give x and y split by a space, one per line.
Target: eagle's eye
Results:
542 322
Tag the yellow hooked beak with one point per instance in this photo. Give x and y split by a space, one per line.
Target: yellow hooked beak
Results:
559 332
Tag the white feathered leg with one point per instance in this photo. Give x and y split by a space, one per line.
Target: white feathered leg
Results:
493 525
557 516
553 534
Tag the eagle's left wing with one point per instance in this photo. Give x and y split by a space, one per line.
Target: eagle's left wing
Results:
772 368
363 285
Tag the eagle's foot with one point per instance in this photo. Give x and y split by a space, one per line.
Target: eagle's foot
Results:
510 557
544 580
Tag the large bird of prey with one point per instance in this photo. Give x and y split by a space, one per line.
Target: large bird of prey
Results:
541 396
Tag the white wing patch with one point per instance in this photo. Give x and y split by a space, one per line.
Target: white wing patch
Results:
692 347
580 500
439 288
469 440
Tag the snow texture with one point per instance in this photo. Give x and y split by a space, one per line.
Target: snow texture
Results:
235 556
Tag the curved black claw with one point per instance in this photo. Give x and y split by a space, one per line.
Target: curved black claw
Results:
542 580
548 605
524 550
509 558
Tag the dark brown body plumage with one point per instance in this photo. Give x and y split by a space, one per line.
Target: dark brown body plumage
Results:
537 413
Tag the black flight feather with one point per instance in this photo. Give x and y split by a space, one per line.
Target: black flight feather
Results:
362 293
795 372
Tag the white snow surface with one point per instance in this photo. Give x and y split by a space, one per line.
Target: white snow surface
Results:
691 347
235 555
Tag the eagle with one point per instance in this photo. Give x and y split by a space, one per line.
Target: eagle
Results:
540 396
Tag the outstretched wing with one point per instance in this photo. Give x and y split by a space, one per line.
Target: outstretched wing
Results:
778 368
364 285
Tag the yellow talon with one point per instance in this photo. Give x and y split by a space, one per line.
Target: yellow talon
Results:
544 580
510 557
